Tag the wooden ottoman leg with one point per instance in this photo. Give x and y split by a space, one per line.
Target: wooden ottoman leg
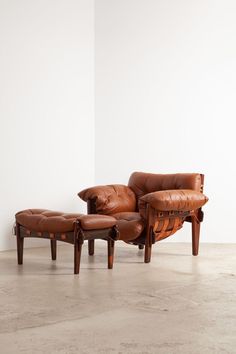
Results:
91 247
20 244
195 236
54 249
110 253
78 243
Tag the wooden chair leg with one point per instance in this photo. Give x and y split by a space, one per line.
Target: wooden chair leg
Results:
77 255
148 246
141 247
110 253
54 249
91 247
195 236
20 245
147 253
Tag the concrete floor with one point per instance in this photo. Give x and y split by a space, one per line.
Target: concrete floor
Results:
175 304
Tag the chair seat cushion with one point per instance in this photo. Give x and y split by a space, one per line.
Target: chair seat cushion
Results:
43 220
130 225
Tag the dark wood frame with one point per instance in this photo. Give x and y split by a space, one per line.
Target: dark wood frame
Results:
76 238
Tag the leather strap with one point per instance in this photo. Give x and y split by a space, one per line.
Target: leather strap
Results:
163 233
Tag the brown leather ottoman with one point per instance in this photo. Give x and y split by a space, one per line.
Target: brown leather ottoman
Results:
70 228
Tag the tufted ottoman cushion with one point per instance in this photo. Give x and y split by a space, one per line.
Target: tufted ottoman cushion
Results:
43 220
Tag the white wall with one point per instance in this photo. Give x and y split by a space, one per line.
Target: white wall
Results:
165 88
165 97
46 106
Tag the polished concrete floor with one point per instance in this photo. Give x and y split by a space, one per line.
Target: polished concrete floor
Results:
175 304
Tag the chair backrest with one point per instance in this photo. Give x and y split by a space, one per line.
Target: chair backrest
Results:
143 183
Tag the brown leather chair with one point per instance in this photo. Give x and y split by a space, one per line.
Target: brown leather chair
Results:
151 208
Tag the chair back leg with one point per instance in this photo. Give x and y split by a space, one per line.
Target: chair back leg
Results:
20 244
91 247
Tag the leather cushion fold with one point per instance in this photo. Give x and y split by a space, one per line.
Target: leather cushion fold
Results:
181 199
110 199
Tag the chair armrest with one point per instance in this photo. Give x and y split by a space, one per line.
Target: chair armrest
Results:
110 199
177 199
